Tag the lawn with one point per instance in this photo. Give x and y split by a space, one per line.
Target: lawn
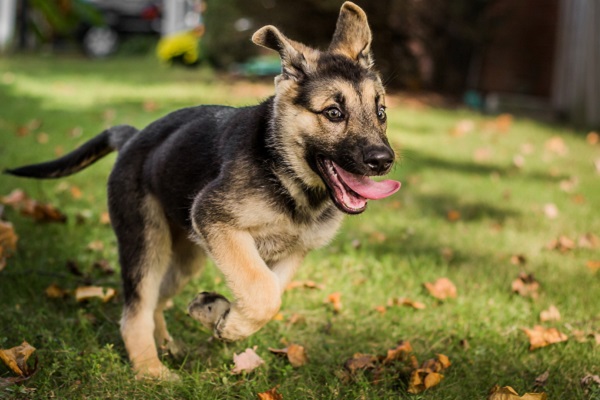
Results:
482 200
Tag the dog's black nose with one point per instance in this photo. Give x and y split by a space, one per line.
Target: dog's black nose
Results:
378 158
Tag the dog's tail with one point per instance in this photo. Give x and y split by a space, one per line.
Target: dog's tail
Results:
91 151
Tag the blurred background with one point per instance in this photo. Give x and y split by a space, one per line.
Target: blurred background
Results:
534 57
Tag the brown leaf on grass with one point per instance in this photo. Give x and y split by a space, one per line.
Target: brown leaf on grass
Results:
105 218
562 244
589 379
8 242
526 285
399 353
542 379
508 393
453 215
360 361
421 380
16 359
441 289
588 241
336 300
551 211
104 266
83 293
593 265
482 154
270 394
568 185
40 212
542 337
95 245
304 284
381 309
462 127
406 302
551 314
42 138
556 145
56 292
247 361
592 138
518 259
76 193
295 353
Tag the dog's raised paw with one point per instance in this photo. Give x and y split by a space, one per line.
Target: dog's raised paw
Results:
209 309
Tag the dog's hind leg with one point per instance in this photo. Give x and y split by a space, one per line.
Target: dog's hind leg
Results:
186 261
145 249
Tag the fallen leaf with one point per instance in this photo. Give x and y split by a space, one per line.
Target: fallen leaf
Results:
360 361
380 309
304 284
40 212
526 285
504 122
150 106
421 380
589 379
83 293
551 314
442 289
453 215
556 145
542 379
295 353
104 266
75 132
592 138
462 127
399 353
95 245
335 300
403 301
568 185
593 266
8 242
270 394
588 241
42 138
105 218
518 161
278 317
550 210
482 154
508 393
562 244
75 192
16 358
518 259
55 292
247 361
542 337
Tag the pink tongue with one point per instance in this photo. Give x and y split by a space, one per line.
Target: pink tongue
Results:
366 187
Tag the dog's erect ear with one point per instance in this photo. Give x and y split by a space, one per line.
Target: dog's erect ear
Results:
295 57
352 36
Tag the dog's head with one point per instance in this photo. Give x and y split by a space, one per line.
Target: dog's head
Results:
330 114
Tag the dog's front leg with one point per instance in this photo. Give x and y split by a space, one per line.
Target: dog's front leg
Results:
257 289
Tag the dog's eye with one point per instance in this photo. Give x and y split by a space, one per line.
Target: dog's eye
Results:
381 114
333 114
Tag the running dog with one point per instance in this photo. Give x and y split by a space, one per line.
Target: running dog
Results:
254 188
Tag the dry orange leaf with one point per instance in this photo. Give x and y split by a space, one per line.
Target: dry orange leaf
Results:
295 353
336 300
593 265
556 145
421 380
270 394
562 244
526 285
360 361
551 314
508 393
403 301
95 245
380 309
542 337
16 358
105 218
442 289
518 259
588 241
75 192
40 212
247 361
83 293
8 242
400 352
56 292
593 138
453 215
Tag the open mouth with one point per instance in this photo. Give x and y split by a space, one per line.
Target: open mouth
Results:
350 192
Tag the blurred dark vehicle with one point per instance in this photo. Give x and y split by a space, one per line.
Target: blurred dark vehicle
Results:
119 20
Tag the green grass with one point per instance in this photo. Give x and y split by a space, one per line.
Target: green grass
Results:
402 245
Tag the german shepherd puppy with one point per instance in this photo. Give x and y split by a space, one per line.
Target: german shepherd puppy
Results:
254 188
